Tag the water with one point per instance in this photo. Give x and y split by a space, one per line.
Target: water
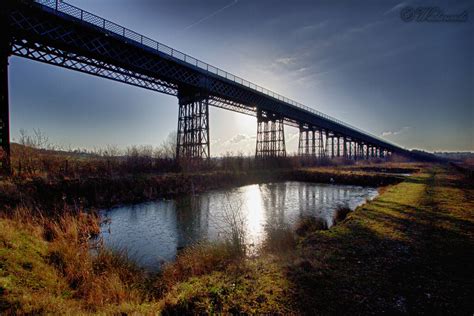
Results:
153 232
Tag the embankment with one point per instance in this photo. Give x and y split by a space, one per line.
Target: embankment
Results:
99 192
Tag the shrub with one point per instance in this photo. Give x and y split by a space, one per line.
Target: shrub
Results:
341 213
196 260
307 224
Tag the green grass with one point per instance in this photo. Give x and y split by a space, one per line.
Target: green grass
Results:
61 275
27 282
407 251
249 286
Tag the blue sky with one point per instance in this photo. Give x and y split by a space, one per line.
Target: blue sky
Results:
409 82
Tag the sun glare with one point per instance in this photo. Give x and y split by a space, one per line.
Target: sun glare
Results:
254 213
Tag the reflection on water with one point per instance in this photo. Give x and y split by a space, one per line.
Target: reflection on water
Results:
152 232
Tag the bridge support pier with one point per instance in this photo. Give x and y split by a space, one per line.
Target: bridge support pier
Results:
5 50
270 135
193 126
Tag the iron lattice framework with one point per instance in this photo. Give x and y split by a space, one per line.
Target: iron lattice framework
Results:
193 128
270 136
74 61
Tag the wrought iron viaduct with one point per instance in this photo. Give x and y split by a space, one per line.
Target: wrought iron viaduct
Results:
57 33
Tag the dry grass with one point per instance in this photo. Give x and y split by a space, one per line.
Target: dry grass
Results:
53 266
280 239
250 286
197 260
308 224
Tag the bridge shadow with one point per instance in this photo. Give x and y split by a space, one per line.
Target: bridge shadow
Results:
401 261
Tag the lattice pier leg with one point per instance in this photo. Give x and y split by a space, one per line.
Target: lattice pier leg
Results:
270 136
193 126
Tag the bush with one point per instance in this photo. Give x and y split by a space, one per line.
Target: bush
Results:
341 213
196 260
307 224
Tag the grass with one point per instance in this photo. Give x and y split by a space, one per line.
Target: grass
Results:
251 286
308 224
404 252
197 260
48 267
407 251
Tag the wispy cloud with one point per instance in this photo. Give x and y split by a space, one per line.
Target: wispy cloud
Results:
396 8
311 28
210 15
397 132
285 60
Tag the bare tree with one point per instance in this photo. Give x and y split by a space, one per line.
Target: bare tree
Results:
167 149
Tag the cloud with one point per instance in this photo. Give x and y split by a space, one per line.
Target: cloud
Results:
240 143
397 132
210 15
238 138
396 8
286 60
311 28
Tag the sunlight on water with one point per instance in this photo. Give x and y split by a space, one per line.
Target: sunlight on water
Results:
253 212
153 232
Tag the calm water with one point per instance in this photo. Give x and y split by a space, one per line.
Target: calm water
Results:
152 232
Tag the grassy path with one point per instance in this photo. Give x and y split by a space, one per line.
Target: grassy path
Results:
408 251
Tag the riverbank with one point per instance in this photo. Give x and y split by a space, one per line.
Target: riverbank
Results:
406 251
107 191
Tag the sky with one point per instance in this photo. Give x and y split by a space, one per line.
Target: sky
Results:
411 83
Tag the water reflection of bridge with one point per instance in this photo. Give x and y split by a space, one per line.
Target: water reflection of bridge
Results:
155 231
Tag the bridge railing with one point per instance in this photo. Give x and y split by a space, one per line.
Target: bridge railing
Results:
70 10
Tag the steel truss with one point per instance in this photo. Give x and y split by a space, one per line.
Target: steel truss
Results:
270 136
58 57
193 127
